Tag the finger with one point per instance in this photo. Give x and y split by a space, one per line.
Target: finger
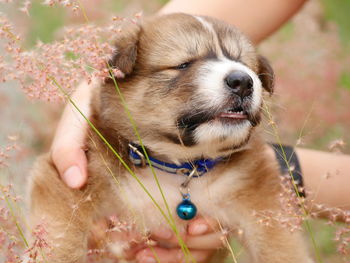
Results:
162 233
201 225
208 241
170 255
71 164
67 148
131 252
169 238
198 226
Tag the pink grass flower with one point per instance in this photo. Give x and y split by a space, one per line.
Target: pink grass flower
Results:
40 248
25 7
43 72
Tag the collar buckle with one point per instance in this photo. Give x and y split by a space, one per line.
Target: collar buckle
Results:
184 186
140 154
183 171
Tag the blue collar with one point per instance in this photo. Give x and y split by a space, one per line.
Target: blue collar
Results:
202 165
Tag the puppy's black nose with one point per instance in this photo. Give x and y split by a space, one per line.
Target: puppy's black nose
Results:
240 83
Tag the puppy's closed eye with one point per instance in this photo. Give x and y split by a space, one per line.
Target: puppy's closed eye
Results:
183 66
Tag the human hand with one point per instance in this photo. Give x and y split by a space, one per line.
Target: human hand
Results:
201 238
67 150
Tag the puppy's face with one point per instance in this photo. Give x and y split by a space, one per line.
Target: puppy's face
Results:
192 84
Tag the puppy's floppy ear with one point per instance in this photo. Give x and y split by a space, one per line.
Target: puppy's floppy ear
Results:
125 55
266 74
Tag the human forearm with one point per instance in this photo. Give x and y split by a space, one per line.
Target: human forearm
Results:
326 177
256 18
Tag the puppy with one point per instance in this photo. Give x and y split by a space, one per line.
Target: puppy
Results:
193 86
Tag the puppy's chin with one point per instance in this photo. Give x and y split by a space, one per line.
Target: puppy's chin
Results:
217 130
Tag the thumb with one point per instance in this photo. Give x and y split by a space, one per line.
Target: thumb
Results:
67 151
71 164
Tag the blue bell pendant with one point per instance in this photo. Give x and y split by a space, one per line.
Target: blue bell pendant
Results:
186 210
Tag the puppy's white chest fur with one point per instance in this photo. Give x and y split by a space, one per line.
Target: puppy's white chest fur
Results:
210 193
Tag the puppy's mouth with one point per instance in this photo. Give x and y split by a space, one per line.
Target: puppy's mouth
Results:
229 115
236 114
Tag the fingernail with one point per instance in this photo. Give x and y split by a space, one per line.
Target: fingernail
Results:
163 233
148 260
199 229
73 177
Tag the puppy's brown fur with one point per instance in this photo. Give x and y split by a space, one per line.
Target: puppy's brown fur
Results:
162 100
